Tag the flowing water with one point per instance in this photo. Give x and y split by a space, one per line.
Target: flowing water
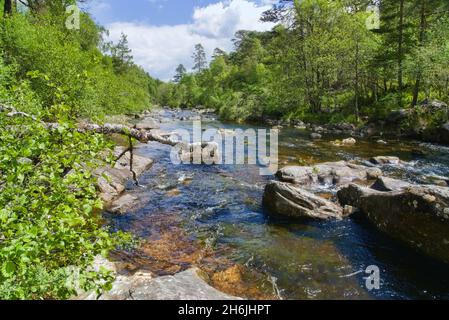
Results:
211 217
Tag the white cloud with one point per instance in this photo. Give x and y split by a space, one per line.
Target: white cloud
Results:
159 49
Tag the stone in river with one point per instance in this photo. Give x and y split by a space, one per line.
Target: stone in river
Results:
417 215
187 285
330 173
382 160
315 136
285 199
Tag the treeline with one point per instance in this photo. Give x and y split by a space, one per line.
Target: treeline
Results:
325 61
45 63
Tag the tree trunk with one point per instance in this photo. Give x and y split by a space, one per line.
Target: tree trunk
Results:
356 84
421 41
400 49
7 8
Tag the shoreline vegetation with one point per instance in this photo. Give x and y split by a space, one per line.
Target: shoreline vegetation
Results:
319 69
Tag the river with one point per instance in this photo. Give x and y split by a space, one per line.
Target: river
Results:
211 217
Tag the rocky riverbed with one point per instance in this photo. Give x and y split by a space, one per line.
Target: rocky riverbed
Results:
336 206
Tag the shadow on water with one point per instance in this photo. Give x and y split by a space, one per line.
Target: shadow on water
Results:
211 217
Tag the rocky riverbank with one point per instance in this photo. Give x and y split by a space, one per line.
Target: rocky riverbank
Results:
325 192
415 214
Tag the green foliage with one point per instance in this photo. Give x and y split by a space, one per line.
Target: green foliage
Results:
67 66
49 230
50 222
323 63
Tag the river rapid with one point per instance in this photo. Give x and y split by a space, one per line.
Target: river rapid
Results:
211 217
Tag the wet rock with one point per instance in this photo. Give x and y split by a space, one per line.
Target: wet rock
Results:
140 164
389 184
349 142
383 160
434 105
315 136
345 142
333 173
147 124
382 142
187 285
123 204
417 215
111 182
287 200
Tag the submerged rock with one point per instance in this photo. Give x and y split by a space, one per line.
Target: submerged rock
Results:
291 201
334 173
383 160
349 142
187 285
316 136
417 215
123 204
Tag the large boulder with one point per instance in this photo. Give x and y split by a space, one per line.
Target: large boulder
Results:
397 116
187 285
124 204
287 200
330 173
384 160
111 182
417 215
140 164
147 124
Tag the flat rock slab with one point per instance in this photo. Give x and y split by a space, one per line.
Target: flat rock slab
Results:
287 200
124 204
187 285
330 173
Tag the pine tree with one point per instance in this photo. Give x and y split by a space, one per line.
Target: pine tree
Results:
180 72
199 58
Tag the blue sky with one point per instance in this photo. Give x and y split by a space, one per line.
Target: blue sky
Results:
162 33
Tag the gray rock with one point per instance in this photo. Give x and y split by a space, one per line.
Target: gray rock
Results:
187 285
389 184
383 160
123 204
111 182
417 215
315 136
285 199
140 164
434 105
147 124
333 173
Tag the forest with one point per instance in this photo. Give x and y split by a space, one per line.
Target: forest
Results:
325 61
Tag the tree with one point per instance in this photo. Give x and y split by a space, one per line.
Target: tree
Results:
180 72
199 58
8 8
121 54
218 53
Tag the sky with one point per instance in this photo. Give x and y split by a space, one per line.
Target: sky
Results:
163 33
